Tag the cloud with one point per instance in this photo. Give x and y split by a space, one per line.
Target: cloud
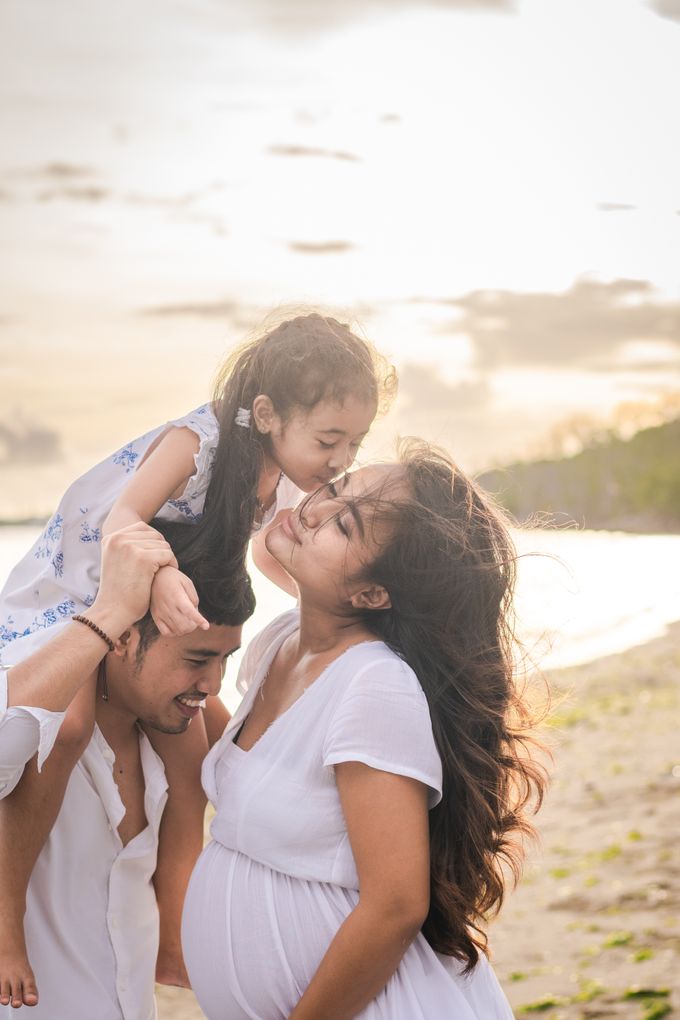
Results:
312 15
615 207
667 8
422 388
162 201
78 194
309 150
29 444
591 319
320 247
199 310
64 171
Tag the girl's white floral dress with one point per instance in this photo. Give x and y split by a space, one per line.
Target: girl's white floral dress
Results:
59 575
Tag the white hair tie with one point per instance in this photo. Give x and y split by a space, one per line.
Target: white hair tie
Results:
243 417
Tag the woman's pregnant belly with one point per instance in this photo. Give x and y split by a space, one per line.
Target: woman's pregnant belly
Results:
253 937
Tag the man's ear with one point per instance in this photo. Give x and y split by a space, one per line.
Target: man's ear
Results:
373 597
122 645
263 413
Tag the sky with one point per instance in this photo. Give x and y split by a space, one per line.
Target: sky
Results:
490 190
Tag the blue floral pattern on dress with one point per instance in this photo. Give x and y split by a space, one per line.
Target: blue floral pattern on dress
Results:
58 564
89 534
126 457
7 634
184 507
50 536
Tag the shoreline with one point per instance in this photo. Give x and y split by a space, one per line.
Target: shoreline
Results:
595 921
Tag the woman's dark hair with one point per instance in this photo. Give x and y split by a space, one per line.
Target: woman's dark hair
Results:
300 362
449 568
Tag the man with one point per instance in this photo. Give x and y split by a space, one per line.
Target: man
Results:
91 917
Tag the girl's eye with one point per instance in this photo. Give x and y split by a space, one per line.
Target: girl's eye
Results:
325 446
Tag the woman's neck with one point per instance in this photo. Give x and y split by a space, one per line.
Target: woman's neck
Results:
322 630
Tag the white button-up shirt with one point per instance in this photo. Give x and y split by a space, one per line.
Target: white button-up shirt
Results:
91 919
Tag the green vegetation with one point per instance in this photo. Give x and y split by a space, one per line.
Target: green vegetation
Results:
629 484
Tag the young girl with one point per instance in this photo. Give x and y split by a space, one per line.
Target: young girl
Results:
289 413
385 736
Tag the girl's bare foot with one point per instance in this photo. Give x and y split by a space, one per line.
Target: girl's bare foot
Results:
17 981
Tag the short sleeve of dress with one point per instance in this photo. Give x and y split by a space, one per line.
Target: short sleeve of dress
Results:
383 721
189 505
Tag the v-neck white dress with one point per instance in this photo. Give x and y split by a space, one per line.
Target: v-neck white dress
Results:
270 891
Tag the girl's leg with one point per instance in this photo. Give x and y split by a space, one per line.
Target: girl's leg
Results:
26 819
180 839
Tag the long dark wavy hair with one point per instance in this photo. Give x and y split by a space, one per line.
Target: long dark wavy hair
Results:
449 568
298 363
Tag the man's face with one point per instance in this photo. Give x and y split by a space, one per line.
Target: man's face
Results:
165 684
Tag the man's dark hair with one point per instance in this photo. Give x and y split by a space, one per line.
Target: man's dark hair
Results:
222 600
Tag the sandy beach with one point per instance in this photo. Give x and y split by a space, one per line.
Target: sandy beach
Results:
594 928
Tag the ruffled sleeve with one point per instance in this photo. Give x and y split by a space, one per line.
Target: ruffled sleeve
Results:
383 721
189 505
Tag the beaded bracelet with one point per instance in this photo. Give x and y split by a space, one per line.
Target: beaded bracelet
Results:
93 626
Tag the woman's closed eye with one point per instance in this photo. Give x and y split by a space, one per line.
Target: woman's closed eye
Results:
341 525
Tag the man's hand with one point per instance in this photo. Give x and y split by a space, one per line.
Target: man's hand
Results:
131 558
174 603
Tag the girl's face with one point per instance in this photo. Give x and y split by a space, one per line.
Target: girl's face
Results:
329 540
314 446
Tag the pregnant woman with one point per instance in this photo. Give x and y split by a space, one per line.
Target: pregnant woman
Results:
374 777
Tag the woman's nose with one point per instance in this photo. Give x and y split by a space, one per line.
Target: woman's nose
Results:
317 509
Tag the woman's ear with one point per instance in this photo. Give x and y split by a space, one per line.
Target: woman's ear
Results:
263 413
373 597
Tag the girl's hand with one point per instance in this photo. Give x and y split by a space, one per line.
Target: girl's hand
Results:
174 604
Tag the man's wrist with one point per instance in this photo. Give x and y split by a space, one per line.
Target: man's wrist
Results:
113 620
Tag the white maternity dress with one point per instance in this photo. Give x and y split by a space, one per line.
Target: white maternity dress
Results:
59 575
270 891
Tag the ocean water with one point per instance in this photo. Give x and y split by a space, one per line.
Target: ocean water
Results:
580 594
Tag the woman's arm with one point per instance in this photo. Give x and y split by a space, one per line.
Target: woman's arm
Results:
387 823
162 474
